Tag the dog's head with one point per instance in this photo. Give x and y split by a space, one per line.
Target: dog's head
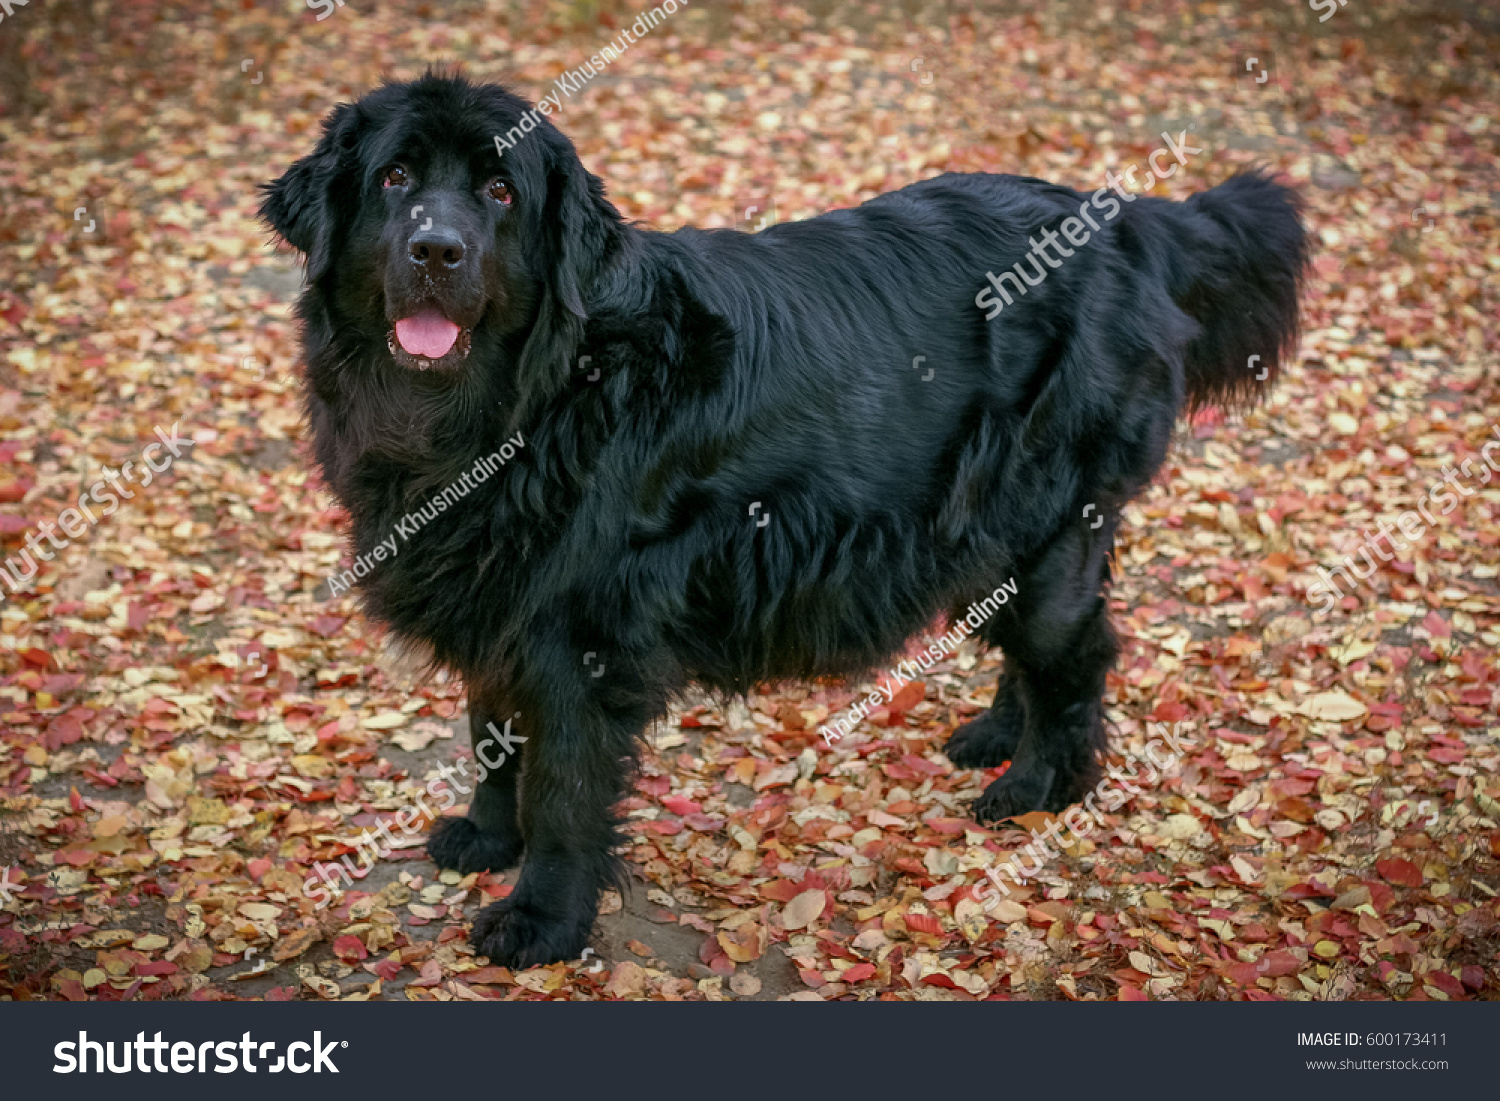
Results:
427 237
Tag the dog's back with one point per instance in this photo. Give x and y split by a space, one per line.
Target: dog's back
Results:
866 398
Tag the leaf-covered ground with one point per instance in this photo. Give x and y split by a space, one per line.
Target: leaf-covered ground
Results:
190 724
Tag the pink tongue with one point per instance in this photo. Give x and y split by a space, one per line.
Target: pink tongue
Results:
427 335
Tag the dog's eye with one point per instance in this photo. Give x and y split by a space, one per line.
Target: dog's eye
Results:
497 190
395 176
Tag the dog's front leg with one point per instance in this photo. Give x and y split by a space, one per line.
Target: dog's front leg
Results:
580 730
489 838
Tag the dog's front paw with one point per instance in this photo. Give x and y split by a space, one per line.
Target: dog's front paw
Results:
458 844
516 935
1020 791
987 742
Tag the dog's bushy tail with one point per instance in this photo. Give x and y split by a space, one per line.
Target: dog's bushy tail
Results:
1241 261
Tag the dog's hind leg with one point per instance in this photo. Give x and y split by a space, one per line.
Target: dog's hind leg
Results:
489 838
1062 646
991 739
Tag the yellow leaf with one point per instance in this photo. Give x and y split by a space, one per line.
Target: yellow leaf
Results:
312 766
1007 911
1144 963
1034 821
970 918
1222 929
744 984
109 825
626 978
1332 707
1180 827
104 938
414 741
296 942
744 943
803 910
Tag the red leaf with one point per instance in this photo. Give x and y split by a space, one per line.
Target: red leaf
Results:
922 765
1445 982
489 975
780 890
859 972
1403 873
349 948
324 626
1241 974
654 785
1275 964
1129 993
909 696
386 969
924 923
1169 711
431 974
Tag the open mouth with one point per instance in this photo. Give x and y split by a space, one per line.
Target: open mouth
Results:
428 340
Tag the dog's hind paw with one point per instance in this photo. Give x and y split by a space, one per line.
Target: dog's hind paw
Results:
513 934
1020 791
986 742
991 740
458 844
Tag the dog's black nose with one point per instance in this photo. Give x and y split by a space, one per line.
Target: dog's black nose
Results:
429 248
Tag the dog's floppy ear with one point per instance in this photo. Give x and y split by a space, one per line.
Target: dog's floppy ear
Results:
297 205
578 230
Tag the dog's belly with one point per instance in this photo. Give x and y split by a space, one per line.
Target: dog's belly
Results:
800 621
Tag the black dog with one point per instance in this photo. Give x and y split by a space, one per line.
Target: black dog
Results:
729 471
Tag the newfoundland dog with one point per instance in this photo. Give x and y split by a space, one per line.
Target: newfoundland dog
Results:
740 459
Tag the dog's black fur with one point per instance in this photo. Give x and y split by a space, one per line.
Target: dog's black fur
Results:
664 383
